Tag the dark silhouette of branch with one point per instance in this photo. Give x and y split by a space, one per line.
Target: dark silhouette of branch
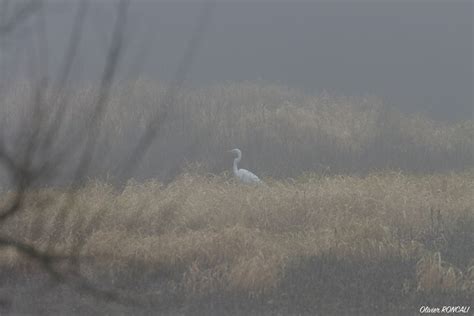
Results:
37 158
69 58
46 260
21 12
169 97
20 162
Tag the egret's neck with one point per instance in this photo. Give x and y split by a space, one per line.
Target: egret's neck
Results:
236 161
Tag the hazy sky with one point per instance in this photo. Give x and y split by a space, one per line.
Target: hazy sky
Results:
415 54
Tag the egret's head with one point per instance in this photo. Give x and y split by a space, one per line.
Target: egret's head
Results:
236 151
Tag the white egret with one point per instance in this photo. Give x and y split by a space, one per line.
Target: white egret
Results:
243 175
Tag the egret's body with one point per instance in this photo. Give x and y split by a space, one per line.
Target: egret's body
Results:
243 175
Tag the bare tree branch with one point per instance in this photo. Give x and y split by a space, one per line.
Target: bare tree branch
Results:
65 70
169 97
21 13
37 158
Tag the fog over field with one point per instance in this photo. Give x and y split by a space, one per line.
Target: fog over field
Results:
416 55
119 194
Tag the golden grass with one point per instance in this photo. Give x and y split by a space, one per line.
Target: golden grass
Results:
211 236
282 132
344 231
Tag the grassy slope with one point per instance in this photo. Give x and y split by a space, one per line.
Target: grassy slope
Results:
384 242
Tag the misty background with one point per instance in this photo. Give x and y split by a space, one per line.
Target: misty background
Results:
415 55
115 172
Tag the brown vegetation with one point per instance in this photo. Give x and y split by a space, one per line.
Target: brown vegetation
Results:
282 132
378 216
385 242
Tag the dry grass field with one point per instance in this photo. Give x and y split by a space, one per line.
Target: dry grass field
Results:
387 242
365 210
282 132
